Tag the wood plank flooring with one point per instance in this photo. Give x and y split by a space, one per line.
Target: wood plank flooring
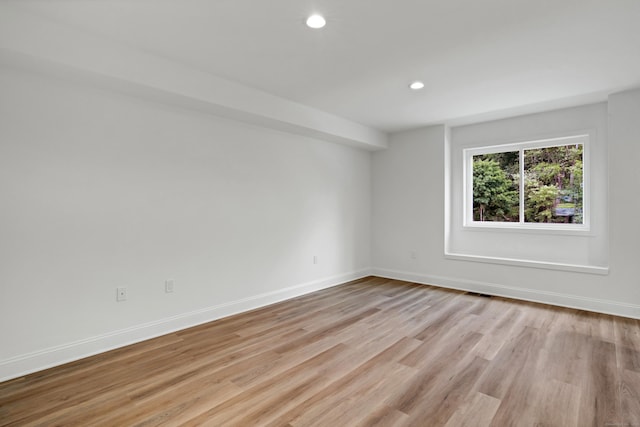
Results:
373 352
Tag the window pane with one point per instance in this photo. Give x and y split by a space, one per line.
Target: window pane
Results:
496 187
553 184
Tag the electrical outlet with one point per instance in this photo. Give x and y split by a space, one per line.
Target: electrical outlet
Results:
413 255
315 259
121 294
168 285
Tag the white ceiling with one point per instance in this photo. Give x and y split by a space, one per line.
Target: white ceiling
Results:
478 58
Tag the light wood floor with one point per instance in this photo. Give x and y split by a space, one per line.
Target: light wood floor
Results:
371 352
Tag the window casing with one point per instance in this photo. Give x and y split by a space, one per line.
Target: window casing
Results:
517 209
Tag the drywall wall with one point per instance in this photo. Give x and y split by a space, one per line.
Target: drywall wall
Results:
101 190
584 251
624 203
408 222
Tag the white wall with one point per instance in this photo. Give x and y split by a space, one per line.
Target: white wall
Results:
584 251
101 190
409 216
624 203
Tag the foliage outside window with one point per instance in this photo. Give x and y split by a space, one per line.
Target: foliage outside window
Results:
539 182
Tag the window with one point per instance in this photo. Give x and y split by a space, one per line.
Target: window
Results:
536 184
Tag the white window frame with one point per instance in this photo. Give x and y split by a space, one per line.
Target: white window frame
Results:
469 153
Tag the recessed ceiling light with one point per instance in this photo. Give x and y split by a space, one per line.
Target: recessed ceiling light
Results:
417 85
316 21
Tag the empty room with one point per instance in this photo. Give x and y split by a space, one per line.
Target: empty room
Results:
320 213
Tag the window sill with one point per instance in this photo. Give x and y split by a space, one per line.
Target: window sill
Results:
575 268
578 230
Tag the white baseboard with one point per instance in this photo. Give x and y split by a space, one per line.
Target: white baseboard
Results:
563 300
49 357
